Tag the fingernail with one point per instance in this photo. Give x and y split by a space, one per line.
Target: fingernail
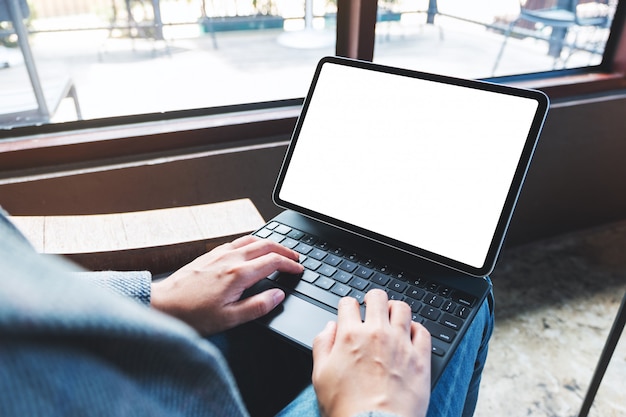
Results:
278 296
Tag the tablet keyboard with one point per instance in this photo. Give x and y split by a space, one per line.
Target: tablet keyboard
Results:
332 272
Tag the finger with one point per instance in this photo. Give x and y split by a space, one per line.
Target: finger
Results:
376 308
238 243
400 315
243 241
420 338
348 312
260 247
258 305
254 270
230 246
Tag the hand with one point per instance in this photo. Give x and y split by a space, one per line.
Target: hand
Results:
206 292
381 364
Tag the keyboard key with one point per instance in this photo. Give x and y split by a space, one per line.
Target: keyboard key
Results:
289 243
363 272
348 266
352 257
303 248
360 296
415 292
450 321
369 263
433 300
275 237
448 306
311 264
337 251
430 313
274 275
358 283
327 270
463 298
462 312
380 279
415 305
341 290
440 332
295 234
398 275
309 240
392 295
373 285
264 233
272 225
444 291
317 254
417 282
323 245
282 229
436 350
396 285
342 276
333 259
310 276
324 282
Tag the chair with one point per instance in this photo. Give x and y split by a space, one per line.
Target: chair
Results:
605 358
560 17
17 109
150 29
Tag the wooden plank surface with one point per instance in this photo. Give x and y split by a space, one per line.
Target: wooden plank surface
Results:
83 234
157 240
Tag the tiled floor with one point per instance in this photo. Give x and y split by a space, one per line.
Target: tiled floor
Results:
555 303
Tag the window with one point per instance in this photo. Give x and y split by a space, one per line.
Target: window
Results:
103 59
486 38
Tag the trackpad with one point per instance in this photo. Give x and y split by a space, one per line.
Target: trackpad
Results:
298 320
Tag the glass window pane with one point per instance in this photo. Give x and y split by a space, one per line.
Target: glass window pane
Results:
203 54
129 57
484 38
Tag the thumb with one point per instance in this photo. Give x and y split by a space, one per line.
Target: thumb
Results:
324 341
258 305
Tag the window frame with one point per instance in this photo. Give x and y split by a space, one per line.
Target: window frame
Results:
31 150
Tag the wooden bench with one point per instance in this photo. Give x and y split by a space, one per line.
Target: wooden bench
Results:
156 240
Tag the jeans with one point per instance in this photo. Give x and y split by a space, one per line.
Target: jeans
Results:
456 393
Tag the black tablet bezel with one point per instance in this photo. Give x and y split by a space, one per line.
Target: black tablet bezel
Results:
512 195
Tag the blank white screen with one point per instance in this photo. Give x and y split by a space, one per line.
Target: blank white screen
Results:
421 162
